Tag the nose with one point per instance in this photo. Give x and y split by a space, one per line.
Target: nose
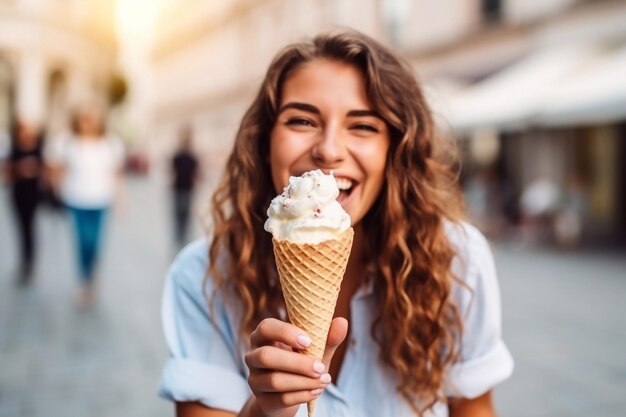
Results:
330 149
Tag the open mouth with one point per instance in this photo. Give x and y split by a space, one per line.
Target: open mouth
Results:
346 186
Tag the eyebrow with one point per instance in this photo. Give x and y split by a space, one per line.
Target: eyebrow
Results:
300 106
362 113
312 109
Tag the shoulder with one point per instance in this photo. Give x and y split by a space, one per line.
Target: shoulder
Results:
185 286
473 266
114 142
484 358
463 235
188 269
190 296
470 245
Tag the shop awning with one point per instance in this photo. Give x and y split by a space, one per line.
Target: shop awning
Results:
514 97
596 95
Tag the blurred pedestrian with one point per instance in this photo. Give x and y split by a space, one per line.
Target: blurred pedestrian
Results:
24 171
569 221
538 204
486 195
419 297
87 168
185 174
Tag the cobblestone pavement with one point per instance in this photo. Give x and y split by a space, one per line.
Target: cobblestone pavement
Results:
57 361
565 323
564 320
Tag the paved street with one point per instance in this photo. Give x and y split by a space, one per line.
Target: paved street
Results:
57 361
564 320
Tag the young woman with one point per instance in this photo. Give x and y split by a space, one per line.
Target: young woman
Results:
419 304
87 168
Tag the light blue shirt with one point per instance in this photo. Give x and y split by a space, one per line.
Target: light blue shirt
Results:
207 365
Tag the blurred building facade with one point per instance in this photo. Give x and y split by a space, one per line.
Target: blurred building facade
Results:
208 59
535 93
54 55
532 89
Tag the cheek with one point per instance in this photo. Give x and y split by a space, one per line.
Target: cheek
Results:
374 158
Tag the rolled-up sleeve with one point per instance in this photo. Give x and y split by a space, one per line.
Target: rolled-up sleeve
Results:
204 364
484 358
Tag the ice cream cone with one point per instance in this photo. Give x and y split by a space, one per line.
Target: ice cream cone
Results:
310 276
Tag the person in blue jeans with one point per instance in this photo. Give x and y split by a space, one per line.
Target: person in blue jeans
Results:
88 228
86 166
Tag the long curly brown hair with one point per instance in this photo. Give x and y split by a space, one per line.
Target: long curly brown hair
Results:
417 325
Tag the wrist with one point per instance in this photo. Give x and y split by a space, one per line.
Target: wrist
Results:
252 409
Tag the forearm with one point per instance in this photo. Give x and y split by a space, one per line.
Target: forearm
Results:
477 407
251 409
196 409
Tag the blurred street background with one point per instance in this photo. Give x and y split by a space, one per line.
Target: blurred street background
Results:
533 91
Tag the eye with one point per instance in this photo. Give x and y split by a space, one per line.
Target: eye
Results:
299 121
365 127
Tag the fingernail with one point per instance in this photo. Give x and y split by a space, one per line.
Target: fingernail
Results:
303 340
325 379
317 391
318 367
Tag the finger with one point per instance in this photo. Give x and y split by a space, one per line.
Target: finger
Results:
275 401
271 331
263 382
282 346
336 335
277 359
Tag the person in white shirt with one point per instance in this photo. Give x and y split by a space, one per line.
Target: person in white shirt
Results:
86 168
417 327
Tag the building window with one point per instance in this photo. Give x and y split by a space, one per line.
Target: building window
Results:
492 10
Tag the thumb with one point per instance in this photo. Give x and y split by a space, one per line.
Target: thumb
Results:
336 335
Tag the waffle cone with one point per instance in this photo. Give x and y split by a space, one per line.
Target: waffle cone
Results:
310 277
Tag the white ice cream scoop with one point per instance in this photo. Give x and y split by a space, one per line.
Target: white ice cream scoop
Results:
307 211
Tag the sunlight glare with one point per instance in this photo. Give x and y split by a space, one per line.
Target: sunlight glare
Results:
135 17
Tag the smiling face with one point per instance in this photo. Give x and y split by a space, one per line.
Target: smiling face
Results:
325 121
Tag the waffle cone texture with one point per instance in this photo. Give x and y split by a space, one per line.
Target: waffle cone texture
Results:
310 277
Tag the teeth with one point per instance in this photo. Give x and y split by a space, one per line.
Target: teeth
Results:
343 183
